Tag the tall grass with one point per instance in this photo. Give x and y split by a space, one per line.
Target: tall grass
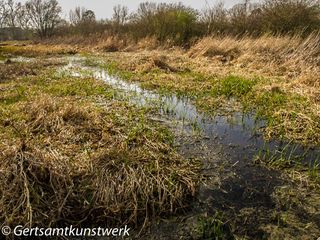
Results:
294 56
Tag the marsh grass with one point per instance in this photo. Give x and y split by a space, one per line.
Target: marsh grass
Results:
297 200
289 115
314 172
70 154
282 158
290 158
234 86
214 227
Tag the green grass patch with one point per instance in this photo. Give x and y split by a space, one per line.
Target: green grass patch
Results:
234 86
265 103
74 87
2 57
213 228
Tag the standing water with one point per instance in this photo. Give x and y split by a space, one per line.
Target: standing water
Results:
234 184
240 130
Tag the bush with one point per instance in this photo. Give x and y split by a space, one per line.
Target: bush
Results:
270 16
173 22
291 16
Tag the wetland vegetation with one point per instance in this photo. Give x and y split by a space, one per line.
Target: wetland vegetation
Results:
197 135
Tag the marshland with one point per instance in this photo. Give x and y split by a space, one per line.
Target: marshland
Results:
180 123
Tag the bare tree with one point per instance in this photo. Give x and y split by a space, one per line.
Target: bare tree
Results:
75 16
239 17
11 10
44 16
120 14
3 14
8 13
22 18
215 17
80 15
89 16
146 9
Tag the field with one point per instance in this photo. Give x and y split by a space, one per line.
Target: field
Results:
218 141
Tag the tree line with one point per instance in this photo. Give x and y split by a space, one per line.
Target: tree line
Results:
172 22
41 16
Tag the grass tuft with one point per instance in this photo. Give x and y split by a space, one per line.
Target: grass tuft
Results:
234 86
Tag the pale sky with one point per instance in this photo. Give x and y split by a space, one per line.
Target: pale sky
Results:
103 8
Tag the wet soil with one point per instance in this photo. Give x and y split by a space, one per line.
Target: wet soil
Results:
234 188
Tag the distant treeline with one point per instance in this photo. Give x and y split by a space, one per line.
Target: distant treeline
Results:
175 22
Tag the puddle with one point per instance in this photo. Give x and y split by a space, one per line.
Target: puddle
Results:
239 131
22 59
18 59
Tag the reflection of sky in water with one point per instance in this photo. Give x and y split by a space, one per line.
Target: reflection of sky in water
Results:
239 130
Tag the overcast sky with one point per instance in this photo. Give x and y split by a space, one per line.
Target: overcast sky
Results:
103 8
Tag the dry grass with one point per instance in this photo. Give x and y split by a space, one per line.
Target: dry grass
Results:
72 162
91 43
286 88
36 49
294 59
14 70
66 160
285 66
107 43
9 71
297 125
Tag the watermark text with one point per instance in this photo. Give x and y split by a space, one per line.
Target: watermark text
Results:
21 231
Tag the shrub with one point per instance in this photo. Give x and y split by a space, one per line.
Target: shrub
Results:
173 22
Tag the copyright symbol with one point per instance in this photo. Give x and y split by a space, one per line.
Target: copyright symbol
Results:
6 230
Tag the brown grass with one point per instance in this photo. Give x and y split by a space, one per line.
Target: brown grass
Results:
287 65
67 161
294 59
14 70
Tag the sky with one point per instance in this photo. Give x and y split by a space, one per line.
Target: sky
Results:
104 8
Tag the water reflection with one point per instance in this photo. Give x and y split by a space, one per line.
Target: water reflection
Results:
240 130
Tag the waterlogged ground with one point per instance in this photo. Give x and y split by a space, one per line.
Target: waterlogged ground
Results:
238 196
250 189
